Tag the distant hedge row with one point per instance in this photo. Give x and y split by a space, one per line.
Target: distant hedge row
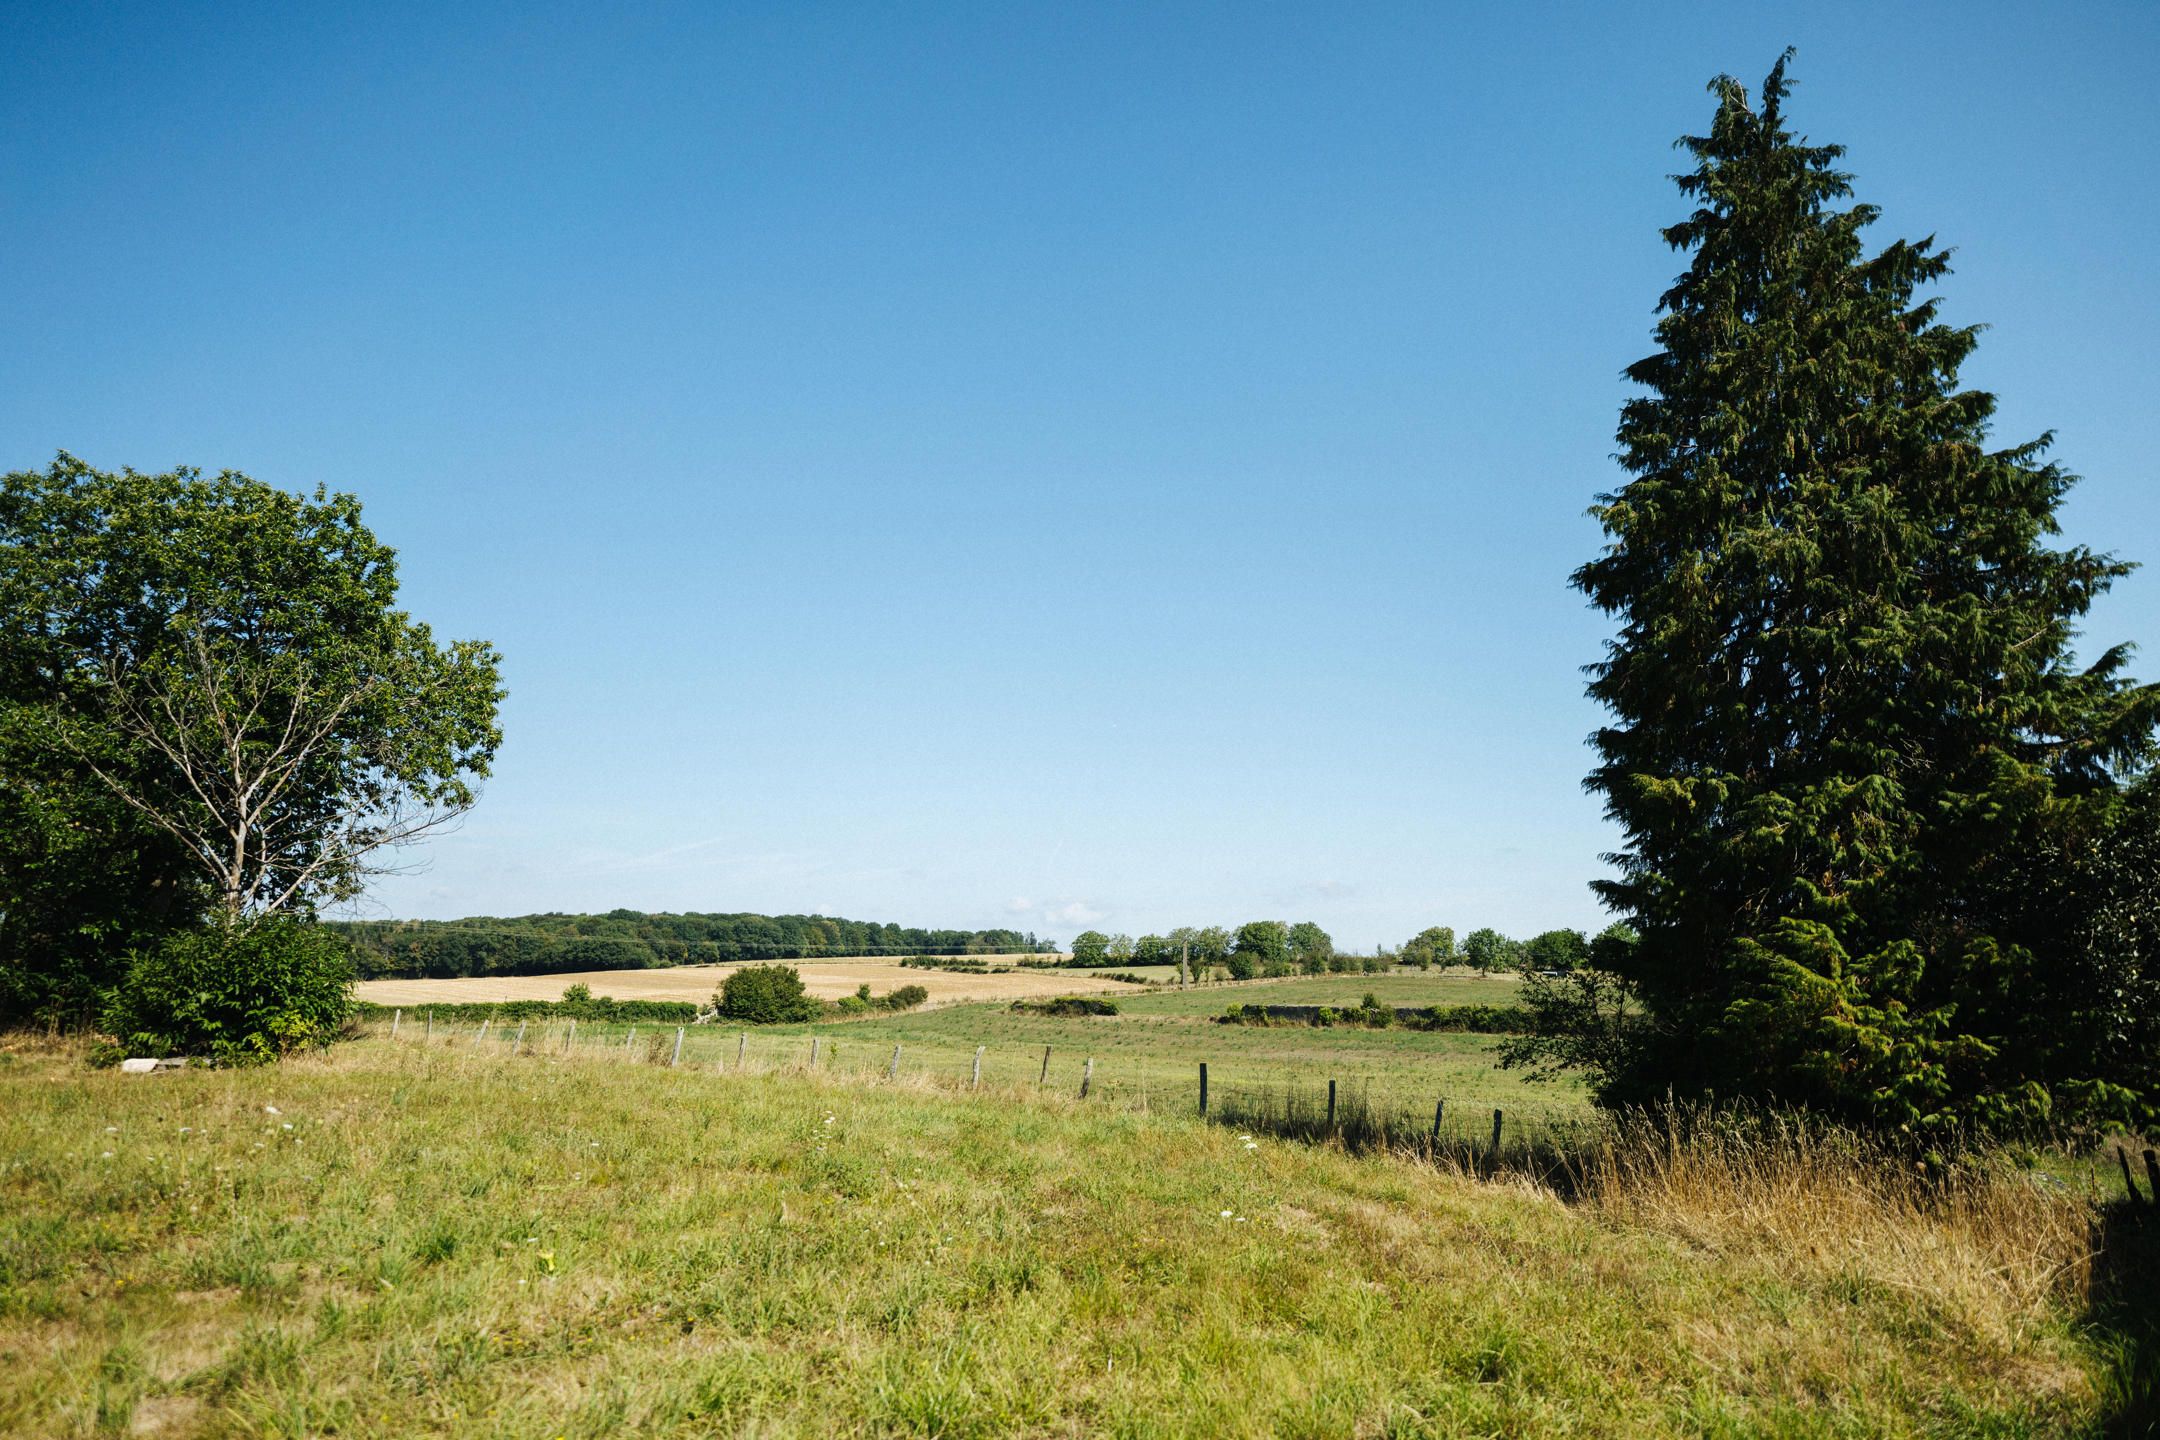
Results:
1067 1005
1472 1019
658 1012
632 940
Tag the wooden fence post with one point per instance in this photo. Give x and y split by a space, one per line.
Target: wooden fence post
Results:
1331 1107
813 1051
518 1039
1044 1078
892 1071
570 1039
676 1058
1184 966
1087 1076
1496 1136
1203 1089
1439 1108
628 1039
2128 1183
395 1016
483 1032
430 1035
976 1082
742 1049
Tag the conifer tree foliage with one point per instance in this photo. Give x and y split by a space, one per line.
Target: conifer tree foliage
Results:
1843 691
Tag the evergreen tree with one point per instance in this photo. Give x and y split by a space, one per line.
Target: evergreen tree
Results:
1843 690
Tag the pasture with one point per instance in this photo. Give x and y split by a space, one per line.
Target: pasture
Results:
396 1240
1148 1054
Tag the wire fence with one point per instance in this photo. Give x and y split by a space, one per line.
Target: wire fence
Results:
1351 1111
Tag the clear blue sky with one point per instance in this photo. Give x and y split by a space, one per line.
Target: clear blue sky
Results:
1011 464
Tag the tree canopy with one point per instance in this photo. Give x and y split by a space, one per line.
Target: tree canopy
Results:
1844 695
212 672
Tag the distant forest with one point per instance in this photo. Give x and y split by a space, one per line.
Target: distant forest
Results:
630 940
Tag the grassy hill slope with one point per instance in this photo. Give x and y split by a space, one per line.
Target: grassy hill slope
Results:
401 1240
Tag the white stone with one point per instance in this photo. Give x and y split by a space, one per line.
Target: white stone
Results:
138 1067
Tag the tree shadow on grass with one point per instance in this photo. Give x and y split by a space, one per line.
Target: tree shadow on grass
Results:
2125 1315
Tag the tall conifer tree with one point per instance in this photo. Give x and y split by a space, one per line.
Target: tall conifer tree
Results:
1843 689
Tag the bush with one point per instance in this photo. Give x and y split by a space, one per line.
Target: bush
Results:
852 1005
766 995
1067 1005
907 997
238 996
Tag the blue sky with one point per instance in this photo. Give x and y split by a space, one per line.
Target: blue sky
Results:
1011 464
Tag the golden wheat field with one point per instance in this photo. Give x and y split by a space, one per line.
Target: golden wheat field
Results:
824 979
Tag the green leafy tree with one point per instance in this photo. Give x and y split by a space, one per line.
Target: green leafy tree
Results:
1090 947
1432 946
1487 950
1210 948
1259 945
2090 902
1556 950
1154 950
1120 950
767 995
225 660
1310 947
1843 692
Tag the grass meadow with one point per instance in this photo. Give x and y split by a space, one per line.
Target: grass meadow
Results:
397 1239
1149 1054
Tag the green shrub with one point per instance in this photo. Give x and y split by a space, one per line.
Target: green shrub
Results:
853 1005
766 995
907 997
238 995
578 994
1067 1005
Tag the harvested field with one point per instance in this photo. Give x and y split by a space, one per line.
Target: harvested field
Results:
825 979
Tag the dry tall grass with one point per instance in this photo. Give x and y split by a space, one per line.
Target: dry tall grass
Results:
1988 1250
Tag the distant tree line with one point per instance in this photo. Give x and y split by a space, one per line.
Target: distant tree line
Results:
632 940
1550 952
1275 948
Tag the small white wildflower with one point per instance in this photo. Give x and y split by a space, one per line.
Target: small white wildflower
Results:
187 1129
105 1155
1226 1214
287 1125
272 1110
112 1129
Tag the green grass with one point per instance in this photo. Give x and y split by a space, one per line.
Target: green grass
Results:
432 1241
1407 988
1149 1054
